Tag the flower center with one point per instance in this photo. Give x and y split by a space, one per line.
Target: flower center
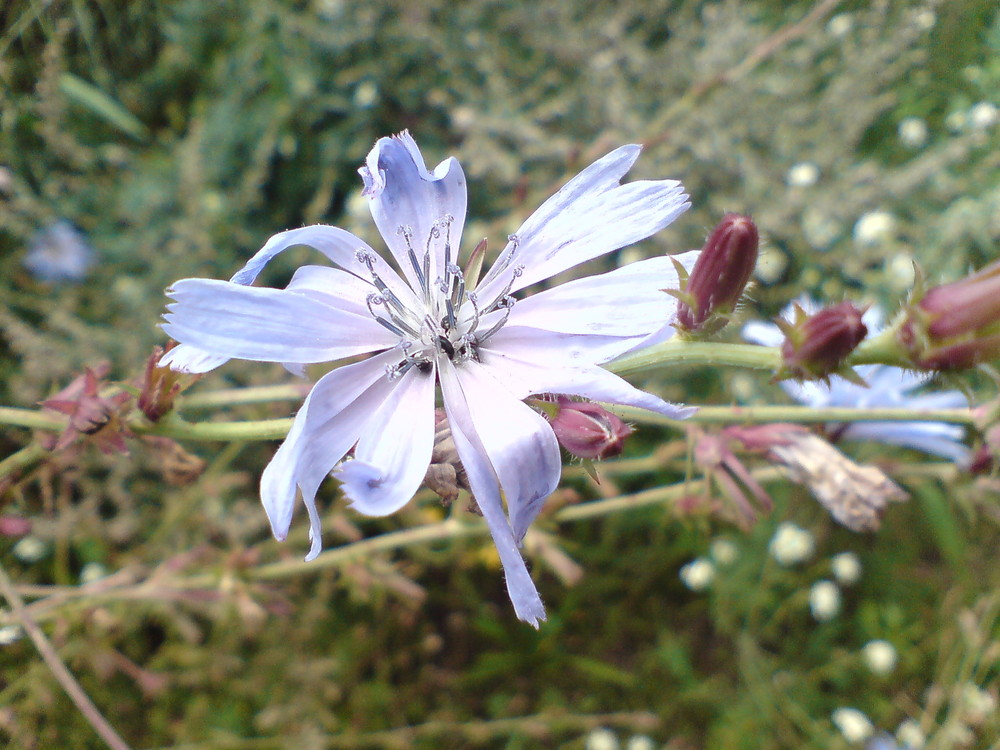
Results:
448 320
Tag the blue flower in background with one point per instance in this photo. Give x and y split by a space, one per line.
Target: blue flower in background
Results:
885 742
59 252
888 387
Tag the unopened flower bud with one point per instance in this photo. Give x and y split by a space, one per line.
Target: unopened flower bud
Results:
957 325
817 345
588 430
719 276
159 386
14 526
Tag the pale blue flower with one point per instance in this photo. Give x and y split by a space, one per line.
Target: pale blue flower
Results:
59 252
888 387
425 327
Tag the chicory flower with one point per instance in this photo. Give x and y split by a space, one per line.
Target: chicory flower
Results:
427 324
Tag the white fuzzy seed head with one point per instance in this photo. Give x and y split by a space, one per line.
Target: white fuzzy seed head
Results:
913 132
697 575
977 703
840 25
983 116
92 571
910 734
10 634
824 601
640 742
853 724
723 551
602 739
880 656
791 544
803 174
846 568
30 549
875 228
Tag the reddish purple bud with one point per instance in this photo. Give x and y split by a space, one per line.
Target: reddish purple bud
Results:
14 526
817 345
957 325
719 275
587 430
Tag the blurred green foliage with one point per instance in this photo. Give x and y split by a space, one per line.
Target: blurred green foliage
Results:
179 135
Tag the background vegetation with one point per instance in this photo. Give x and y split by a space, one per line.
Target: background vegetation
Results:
176 136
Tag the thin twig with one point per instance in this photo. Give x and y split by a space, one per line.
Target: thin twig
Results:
61 672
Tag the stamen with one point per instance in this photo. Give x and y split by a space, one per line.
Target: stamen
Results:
507 304
446 221
458 292
398 326
449 321
504 260
471 296
407 233
516 272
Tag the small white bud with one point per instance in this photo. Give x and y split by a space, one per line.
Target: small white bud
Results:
846 568
602 739
840 25
913 132
880 656
978 703
875 228
955 121
92 571
803 174
824 601
791 544
910 734
640 742
697 575
10 634
853 724
924 19
30 549
982 116
723 551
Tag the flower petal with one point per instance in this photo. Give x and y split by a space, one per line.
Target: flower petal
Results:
186 358
520 362
626 302
394 451
340 246
333 287
938 439
267 325
519 442
326 427
523 594
404 193
592 215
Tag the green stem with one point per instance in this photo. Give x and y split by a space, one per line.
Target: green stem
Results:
678 351
881 349
32 419
803 414
262 394
175 427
